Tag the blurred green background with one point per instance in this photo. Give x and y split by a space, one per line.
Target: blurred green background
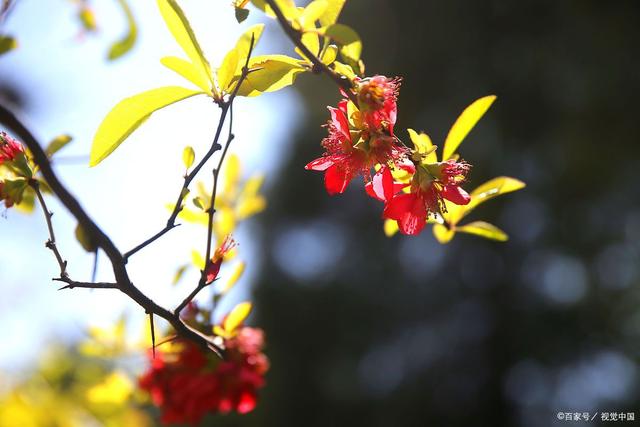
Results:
364 330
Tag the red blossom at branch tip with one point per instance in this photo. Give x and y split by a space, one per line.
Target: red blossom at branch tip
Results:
9 148
213 267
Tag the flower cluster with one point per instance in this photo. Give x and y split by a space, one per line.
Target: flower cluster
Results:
361 139
189 382
10 151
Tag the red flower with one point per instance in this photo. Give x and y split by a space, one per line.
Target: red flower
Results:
431 184
193 382
354 147
9 148
213 268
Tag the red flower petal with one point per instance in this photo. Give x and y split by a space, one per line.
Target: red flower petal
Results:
320 164
381 186
410 212
339 120
336 180
455 194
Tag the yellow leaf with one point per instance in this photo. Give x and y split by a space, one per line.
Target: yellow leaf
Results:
273 72
312 13
56 144
224 221
235 318
129 114
312 42
197 259
442 233
187 70
484 229
331 13
288 8
329 55
493 188
249 201
116 389
464 124
344 70
347 38
231 173
390 227
125 44
194 217
179 26
233 279
423 145
227 69
188 156
244 43
7 43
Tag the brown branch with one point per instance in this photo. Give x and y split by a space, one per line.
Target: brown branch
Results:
102 241
318 65
51 243
71 284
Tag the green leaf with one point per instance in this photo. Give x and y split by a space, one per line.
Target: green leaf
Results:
7 43
272 72
181 29
57 144
484 229
84 239
188 156
331 13
187 70
179 273
197 202
125 44
14 189
344 70
241 14
464 124
130 113
288 8
348 40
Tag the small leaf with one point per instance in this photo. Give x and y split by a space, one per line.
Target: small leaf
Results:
312 13
7 43
57 144
442 233
235 318
85 239
188 156
187 70
493 188
484 229
331 13
348 40
129 114
197 201
329 55
464 124
125 44
241 14
273 72
423 145
197 260
179 273
344 70
233 279
390 227
181 30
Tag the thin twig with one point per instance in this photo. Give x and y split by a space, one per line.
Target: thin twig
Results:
51 243
227 106
296 38
71 284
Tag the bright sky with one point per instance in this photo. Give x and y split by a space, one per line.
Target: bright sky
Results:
71 87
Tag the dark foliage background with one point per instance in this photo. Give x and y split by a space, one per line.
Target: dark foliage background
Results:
369 331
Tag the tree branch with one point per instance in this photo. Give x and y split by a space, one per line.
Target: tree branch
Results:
296 38
51 243
103 242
